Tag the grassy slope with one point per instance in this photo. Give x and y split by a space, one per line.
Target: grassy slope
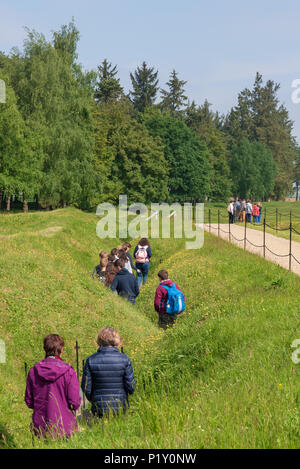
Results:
222 378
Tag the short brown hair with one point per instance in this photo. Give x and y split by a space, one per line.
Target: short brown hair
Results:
163 274
122 255
126 246
103 254
120 263
109 336
144 242
53 344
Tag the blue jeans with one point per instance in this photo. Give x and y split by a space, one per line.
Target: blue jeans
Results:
144 269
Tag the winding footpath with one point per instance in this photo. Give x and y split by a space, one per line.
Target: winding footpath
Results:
277 249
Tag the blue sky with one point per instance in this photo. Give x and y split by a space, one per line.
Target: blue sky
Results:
217 46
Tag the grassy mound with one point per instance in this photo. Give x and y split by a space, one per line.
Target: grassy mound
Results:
223 377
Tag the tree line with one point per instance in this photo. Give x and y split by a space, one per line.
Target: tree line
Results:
70 136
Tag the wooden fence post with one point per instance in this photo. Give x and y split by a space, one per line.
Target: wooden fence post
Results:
77 358
264 237
290 253
245 232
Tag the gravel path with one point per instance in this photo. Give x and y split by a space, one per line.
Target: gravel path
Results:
275 246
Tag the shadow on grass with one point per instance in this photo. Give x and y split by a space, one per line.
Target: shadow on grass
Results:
6 440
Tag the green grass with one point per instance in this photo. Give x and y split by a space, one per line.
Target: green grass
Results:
222 378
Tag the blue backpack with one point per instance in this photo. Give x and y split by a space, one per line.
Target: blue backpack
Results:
175 303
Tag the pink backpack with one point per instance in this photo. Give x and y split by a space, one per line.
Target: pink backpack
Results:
141 255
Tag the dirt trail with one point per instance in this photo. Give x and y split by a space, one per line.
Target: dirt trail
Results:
277 249
46 232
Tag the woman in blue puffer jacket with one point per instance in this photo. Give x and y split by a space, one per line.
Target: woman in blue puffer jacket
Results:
108 375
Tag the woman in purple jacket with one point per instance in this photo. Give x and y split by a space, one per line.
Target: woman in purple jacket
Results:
53 392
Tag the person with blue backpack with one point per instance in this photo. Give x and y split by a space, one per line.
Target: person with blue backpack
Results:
169 301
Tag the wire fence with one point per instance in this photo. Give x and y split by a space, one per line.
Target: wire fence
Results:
210 216
281 219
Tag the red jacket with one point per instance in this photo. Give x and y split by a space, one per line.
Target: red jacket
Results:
255 210
161 296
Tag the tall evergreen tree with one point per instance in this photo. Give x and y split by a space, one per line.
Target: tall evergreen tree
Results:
174 98
273 128
260 117
108 86
145 87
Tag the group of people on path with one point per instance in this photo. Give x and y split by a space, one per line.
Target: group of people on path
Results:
241 210
52 387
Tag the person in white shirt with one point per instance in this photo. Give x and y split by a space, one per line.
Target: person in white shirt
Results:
248 211
230 210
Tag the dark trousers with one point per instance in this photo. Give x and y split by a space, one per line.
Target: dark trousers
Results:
143 275
128 297
166 320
